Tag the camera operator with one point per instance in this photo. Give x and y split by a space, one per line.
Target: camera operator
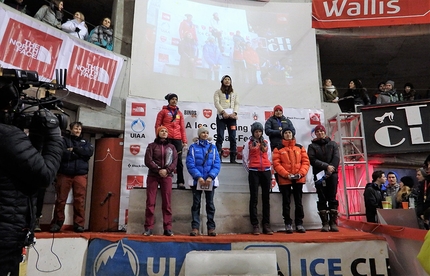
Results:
25 166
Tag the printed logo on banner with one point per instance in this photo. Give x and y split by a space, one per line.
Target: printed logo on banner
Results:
315 118
134 181
254 116
138 125
267 114
91 72
138 109
104 264
134 149
192 113
207 113
25 46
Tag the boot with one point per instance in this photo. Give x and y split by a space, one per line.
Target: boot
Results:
324 219
37 226
233 158
333 220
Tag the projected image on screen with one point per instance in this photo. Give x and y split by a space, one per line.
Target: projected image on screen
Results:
190 39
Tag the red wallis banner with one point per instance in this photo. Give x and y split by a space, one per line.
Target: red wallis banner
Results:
329 14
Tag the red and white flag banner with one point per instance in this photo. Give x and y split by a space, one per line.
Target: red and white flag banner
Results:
329 14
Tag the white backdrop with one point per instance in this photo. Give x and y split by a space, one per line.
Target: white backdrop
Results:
139 131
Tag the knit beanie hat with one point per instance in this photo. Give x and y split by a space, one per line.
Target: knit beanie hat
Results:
290 129
201 130
390 82
407 181
225 76
278 107
256 126
160 128
320 127
169 96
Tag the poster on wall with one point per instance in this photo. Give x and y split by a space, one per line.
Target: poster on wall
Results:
139 131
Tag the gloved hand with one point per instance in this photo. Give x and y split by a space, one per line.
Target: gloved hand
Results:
77 30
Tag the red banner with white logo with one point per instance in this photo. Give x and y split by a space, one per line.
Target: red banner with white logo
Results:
29 44
328 14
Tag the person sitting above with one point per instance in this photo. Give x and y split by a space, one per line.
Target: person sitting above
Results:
52 14
357 91
18 5
77 26
389 95
409 93
330 93
379 90
102 35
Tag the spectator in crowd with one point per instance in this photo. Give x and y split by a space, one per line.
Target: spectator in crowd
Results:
324 157
408 93
160 158
389 95
226 102
172 118
26 165
52 14
373 196
102 35
188 51
18 5
291 162
274 126
390 189
405 189
379 90
77 26
357 91
213 58
188 29
73 174
422 194
203 164
257 159
252 62
330 93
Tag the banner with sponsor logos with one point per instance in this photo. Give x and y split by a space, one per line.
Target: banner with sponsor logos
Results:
29 44
397 128
327 14
139 131
127 257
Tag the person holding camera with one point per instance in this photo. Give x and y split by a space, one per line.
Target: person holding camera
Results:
291 163
77 26
324 157
257 160
73 173
27 163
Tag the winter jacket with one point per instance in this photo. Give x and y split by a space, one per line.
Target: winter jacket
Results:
290 159
388 97
23 170
173 119
198 165
322 153
372 201
221 103
75 162
421 192
255 159
102 36
161 155
271 128
70 28
47 15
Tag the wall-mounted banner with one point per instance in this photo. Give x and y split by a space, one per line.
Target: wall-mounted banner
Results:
397 128
29 44
139 131
329 14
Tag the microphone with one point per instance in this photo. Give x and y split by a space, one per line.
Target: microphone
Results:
109 194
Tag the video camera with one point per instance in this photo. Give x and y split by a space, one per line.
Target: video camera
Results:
20 109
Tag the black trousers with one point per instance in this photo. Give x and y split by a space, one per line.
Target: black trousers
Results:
9 260
297 191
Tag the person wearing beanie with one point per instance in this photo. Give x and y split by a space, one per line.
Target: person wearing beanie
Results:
203 164
357 91
274 126
390 94
406 185
291 163
226 102
160 158
172 118
378 91
421 194
257 159
391 188
324 156
408 93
